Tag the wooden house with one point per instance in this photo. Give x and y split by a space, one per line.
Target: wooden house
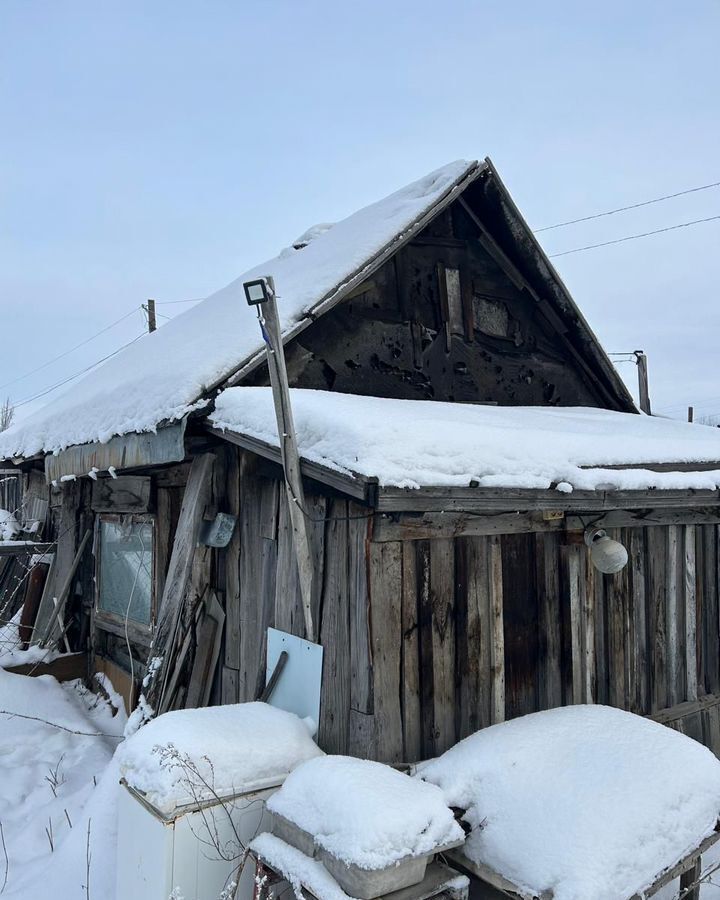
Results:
442 607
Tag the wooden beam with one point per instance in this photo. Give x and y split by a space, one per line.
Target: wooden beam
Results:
20 548
353 485
687 708
432 525
195 499
471 499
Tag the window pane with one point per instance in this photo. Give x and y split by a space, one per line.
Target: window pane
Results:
126 566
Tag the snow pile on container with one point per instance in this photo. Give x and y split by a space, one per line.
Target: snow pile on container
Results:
420 443
583 801
365 813
192 754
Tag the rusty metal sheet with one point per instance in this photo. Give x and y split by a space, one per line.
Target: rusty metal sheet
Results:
127 451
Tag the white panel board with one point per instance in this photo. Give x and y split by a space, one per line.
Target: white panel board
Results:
298 689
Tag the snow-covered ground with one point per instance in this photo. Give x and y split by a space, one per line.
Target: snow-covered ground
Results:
57 790
59 785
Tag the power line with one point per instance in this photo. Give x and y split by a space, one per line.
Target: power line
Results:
612 212
77 374
633 237
173 302
72 349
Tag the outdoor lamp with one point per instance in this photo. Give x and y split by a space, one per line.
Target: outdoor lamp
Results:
607 555
259 291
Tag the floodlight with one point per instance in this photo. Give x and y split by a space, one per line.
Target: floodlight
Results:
259 290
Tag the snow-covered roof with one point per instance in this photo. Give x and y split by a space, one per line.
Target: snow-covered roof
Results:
581 801
421 443
168 373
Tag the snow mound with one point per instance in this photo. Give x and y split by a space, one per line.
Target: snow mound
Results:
9 525
585 801
365 813
418 443
164 375
190 754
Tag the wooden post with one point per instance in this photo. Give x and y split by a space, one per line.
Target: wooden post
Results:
643 388
691 414
152 321
270 323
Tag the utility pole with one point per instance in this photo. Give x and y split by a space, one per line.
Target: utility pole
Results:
261 294
643 387
152 321
691 414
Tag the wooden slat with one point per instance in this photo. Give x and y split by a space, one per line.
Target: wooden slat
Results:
478 499
232 574
675 664
428 525
361 690
690 617
335 636
657 603
196 497
385 583
442 598
497 643
711 613
410 680
587 597
576 586
124 494
602 678
473 635
617 628
548 587
640 658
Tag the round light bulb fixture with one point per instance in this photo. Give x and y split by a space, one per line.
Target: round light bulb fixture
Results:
607 555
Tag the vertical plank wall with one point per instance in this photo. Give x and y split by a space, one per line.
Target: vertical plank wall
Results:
426 641
496 627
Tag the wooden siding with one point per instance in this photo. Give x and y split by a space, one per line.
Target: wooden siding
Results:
643 640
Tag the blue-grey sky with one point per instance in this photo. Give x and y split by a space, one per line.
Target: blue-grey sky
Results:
159 149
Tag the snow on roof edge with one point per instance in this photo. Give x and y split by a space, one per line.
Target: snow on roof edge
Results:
427 443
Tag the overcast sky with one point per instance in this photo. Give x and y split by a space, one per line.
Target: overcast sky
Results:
160 149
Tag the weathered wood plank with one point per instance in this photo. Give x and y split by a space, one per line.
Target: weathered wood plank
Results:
587 596
429 525
641 639
675 663
197 495
617 618
497 642
690 598
335 636
124 494
385 583
411 714
478 499
657 604
473 635
442 599
361 674
550 621
576 586
710 614
232 573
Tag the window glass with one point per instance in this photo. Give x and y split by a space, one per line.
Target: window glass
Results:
126 567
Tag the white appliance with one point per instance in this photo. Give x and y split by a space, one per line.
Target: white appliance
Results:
183 851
